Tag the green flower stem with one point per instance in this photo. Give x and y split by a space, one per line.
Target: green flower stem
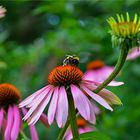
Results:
62 132
72 114
23 135
118 67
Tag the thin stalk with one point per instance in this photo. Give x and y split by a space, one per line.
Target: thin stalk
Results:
63 130
116 70
72 114
23 135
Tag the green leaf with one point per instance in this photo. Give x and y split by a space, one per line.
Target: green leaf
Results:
95 135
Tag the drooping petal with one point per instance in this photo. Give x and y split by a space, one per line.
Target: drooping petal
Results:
62 107
1 117
16 124
29 99
53 106
37 102
44 119
96 97
39 97
92 113
81 102
114 83
134 53
7 134
110 97
39 110
96 108
33 131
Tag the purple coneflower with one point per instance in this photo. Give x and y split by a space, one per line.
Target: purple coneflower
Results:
83 127
10 115
61 79
98 71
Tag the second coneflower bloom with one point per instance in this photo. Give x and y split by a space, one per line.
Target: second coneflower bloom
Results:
99 72
125 32
61 79
10 114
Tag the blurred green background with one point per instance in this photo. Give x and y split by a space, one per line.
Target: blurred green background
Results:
35 36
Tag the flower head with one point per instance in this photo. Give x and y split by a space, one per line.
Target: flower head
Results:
10 115
61 79
125 32
83 127
98 71
2 12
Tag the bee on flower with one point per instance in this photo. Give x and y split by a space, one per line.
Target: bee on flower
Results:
125 32
65 80
11 114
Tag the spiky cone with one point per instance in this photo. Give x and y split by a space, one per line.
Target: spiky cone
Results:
125 32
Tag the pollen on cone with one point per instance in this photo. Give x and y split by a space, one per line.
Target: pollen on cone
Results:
9 94
65 75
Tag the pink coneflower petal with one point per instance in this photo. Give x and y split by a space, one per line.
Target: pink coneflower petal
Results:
16 124
39 110
81 102
31 97
62 107
44 119
92 114
96 108
53 106
96 97
85 129
9 125
33 131
39 97
110 97
134 53
36 102
1 117
114 83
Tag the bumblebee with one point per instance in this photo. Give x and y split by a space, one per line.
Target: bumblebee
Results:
71 60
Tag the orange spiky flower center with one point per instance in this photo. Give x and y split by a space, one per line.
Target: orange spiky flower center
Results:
81 122
9 94
95 65
65 75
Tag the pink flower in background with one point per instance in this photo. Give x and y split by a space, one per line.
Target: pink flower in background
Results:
10 115
2 12
134 53
60 80
97 71
83 127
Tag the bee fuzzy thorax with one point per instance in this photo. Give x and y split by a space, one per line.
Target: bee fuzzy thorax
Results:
71 60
